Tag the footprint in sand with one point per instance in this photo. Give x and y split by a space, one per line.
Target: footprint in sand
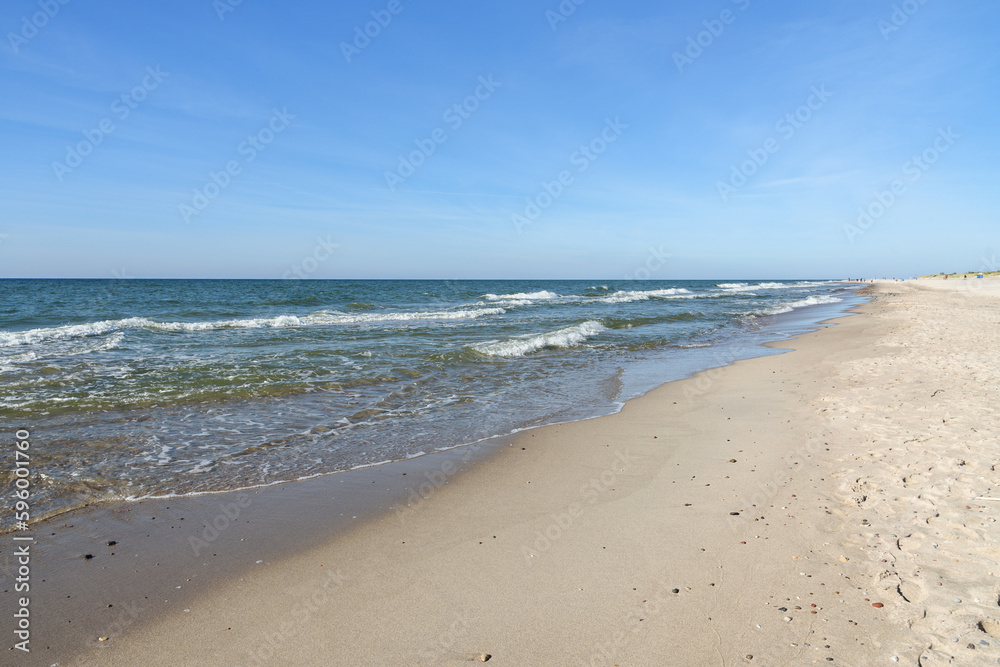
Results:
857 493
910 542
911 591
887 580
991 627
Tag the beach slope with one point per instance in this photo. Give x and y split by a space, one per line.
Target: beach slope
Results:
835 504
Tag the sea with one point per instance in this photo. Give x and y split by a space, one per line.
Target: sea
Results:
142 388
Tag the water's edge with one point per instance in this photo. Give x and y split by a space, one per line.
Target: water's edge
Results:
806 321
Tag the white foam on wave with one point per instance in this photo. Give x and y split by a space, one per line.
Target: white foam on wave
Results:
91 329
543 294
814 300
340 318
511 303
19 358
100 345
519 346
11 339
738 288
628 296
64 347
747 287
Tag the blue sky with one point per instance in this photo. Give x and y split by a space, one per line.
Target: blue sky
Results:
744 139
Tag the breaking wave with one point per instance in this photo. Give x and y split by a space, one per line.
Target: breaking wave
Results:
520 346
90 329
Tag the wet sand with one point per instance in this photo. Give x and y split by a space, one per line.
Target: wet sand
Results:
835 504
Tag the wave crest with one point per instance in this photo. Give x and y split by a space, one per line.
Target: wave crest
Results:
543 294
91 329
520 346
628 296
814 300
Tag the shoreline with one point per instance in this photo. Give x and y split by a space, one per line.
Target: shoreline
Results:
516 598
780 326
120 595
244 439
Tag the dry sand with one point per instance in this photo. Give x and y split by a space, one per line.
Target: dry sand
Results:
832 505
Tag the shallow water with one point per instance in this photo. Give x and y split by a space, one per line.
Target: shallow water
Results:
133 388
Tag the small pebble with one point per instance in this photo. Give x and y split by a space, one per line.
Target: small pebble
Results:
877 605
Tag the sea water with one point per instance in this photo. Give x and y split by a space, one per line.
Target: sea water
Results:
137 388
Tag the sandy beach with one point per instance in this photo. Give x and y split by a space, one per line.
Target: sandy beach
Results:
835 504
